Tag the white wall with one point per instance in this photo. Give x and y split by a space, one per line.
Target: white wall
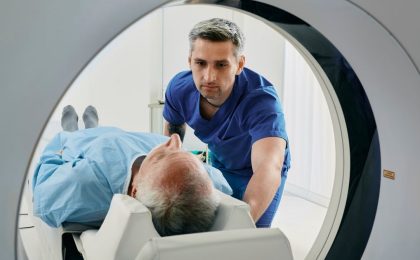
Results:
123 78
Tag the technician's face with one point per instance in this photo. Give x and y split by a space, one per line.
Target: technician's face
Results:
214 66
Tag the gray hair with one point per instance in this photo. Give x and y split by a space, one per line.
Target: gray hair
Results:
182 210
218 30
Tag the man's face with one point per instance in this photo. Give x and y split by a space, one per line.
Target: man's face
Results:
214 66
164 160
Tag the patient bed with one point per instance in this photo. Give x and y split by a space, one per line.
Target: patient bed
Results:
128 233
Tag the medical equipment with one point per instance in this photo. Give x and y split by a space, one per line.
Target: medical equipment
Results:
128 231
42 53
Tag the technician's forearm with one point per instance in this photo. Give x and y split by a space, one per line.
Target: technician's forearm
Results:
267 161
260 192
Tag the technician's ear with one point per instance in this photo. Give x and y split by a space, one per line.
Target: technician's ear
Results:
241 64
189 61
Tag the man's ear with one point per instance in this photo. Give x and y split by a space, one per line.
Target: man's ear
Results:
189 61
241 64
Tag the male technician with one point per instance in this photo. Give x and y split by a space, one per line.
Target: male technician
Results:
236 112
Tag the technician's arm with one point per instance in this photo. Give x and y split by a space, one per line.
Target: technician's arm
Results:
169 129
267 157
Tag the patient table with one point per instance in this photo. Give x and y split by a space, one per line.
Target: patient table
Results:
128 233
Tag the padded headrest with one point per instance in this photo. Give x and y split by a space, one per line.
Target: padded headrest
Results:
128 226
232 214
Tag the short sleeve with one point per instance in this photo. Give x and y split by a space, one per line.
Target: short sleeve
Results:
265 117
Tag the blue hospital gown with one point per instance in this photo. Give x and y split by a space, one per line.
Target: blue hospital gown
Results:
79 172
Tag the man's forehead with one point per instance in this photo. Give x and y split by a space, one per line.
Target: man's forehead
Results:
181 162
186 159
185 154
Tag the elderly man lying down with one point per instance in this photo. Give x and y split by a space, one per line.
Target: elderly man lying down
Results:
80 171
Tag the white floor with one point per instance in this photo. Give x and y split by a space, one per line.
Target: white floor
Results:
300 220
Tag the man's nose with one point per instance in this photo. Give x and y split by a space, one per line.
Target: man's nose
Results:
209 74
175 142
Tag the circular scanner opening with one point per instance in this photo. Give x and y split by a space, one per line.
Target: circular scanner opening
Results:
126 80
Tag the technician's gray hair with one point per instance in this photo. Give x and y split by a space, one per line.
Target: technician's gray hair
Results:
218 30
185 209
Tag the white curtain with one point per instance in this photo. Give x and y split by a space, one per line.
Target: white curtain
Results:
310 131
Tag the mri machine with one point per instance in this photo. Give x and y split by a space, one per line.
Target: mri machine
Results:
366 52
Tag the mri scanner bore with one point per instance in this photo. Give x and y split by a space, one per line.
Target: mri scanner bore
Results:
44 46
359 128
96 85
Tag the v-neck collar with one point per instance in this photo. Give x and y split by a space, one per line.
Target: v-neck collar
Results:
225 110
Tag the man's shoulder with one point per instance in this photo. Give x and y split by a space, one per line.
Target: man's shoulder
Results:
254 79
182 81
256 85
181 90
260 96
250 73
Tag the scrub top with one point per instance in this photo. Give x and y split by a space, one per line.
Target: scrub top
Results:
251 112
79 172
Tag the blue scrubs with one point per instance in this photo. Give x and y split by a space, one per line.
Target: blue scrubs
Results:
250 113
79 172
